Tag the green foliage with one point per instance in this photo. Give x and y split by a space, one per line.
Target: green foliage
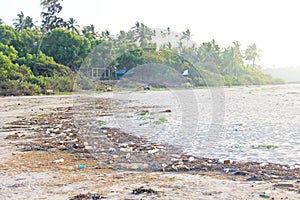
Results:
22 22
34 59
9 51
27 42
131 59
57 83
16 79
252 53
66 47
7 35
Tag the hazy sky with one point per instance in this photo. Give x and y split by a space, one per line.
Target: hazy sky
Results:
272 24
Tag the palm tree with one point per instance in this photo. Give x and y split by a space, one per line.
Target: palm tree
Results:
51 8
252 53
19 22
142 33
50 20
105 34
186 35
90 32
28 23
72 25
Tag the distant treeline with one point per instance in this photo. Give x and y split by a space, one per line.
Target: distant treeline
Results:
289 74
35 58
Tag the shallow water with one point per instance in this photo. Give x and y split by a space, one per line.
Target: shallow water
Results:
256 123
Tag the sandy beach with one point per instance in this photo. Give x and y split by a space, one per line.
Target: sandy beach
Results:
36 165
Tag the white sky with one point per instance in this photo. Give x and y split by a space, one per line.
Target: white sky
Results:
272 24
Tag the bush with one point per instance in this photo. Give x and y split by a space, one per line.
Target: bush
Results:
57 83
17 87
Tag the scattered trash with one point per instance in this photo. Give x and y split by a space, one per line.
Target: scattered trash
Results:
135 166
88 196
112 150
227 162
104 131
101 123
142 190
263 164
126 149
191 159
230 170
147 87
81 166
181 167
59 160
238 124
152 151
108 89
62 147
265 195
283 184
143 112
58 132
154 166
49 92
254 178
89 147
241 173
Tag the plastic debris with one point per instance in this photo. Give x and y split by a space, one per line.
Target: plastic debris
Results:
152 151
59 160
265 195
147 87
142 190
191 159
283 184
89 196
227 162
82 166
230 170
154 166
112 150
254 178
241 173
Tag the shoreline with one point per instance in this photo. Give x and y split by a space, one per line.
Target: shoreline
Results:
120 153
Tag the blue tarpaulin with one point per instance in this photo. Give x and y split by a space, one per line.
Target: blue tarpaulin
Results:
121 72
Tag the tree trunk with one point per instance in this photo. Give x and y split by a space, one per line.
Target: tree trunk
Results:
34 68
253 63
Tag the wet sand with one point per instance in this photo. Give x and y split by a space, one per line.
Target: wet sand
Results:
45 172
